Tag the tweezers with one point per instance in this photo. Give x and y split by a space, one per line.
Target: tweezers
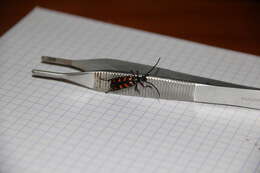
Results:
96 74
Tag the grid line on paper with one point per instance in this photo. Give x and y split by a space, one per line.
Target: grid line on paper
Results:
201 143
100 133
133 143
33 144
92 144
70 136
155 150
12 111
248 157
146 143
115 147
57 135
229 146
190 140
170 149
221 155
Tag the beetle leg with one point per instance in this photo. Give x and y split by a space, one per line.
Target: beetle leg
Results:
136 89
153 86
145 86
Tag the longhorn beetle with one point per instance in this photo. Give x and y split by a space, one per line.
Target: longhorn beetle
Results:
128 81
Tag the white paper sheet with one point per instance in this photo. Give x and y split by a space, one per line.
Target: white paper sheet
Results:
51 126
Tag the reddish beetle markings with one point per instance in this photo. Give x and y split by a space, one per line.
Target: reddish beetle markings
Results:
122 82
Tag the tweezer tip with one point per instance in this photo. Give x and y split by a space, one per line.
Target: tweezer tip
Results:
48 59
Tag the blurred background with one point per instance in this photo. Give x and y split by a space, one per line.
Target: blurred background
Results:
231 24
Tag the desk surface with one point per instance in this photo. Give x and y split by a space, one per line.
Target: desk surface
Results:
231 24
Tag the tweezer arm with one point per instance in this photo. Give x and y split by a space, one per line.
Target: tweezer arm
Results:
190 91
47 74
168 88
56 61
249 98
125 66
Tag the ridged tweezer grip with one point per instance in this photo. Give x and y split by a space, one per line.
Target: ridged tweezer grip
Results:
168 89
174 89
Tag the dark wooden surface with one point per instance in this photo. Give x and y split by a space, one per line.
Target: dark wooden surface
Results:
231 24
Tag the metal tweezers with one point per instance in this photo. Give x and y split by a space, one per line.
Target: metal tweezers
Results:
170 84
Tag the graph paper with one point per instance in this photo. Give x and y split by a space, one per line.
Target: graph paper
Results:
52 126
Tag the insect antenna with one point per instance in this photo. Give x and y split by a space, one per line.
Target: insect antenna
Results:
154 88
148 73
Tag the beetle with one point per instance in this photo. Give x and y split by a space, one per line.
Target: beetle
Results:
133 80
